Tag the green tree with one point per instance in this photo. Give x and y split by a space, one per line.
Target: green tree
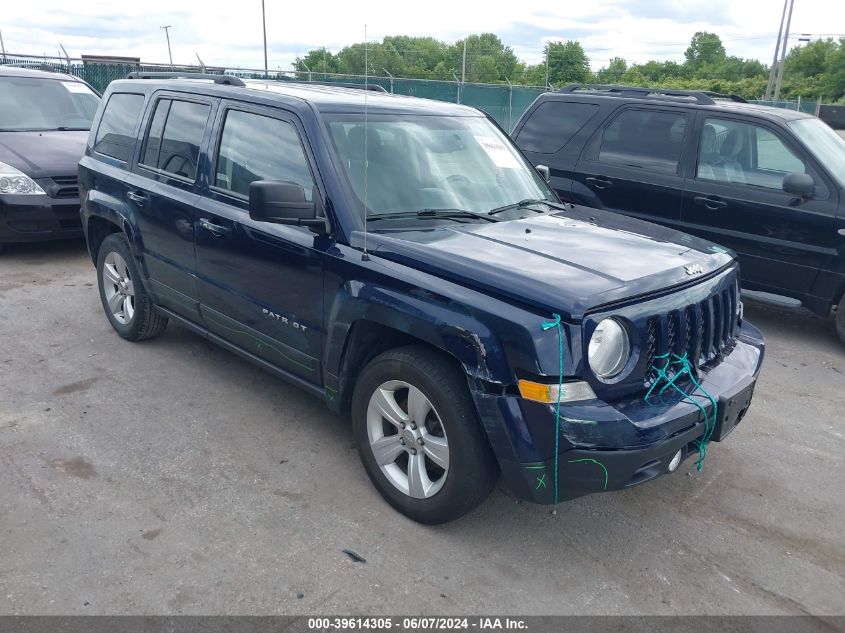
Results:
568 63
705 48
613 72
318 60
811 59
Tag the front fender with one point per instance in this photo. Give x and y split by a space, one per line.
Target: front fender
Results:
449 327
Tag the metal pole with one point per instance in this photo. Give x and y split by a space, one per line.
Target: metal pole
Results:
548 51
783 53
67 57
464 64
773 69
510 105
264 29
2 46
167 34
391 78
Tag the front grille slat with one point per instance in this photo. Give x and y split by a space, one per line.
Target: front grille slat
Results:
701 330
65 186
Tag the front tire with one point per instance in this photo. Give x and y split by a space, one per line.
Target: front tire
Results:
126 303
840 319
419 437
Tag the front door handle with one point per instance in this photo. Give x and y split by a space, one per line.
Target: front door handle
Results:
137 197
599 183
714 204
214 229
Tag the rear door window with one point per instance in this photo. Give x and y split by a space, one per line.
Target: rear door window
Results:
116 134
553 124
175 135
646 139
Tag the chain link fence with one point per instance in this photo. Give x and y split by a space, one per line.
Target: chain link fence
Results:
504 102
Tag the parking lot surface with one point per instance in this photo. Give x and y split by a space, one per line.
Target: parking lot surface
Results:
172 477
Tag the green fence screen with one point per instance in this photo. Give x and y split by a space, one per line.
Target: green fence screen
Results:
504 102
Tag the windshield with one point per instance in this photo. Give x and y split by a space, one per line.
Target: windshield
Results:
37 104
428 163
825 144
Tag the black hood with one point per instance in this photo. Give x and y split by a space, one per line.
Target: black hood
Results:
43 154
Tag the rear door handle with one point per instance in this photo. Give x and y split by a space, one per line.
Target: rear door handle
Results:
599 183
137 197
214 229
713 204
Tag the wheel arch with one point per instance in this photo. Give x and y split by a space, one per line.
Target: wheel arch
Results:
364 328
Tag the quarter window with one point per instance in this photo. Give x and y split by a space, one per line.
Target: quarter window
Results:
175 135
743 153
650 140
116 134
255 147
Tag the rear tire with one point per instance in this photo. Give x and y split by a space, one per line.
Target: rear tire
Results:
126 303
419 437
840 319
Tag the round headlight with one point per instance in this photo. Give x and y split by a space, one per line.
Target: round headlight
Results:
609 350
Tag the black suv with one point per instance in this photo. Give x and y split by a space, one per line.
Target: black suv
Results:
401 260
44 121
765 182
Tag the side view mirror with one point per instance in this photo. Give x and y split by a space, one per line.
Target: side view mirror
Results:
798 184
544 172
282 202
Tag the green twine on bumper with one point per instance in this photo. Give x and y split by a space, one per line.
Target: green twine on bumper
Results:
548 325
685 370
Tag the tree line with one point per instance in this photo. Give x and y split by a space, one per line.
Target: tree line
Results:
815 69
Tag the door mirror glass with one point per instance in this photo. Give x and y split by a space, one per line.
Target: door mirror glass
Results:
801 185
544 172
281 202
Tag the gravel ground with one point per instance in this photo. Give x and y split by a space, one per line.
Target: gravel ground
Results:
171 477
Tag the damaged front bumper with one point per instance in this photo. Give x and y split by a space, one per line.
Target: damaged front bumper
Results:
611 446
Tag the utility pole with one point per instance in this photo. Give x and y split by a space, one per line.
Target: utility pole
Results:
774 67
67 57
548 54
167 33
264 28
783 53
464 64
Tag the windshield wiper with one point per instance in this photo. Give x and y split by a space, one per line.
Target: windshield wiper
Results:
63 128
448 214
522 204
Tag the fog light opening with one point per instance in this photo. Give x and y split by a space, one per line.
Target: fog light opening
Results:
676 461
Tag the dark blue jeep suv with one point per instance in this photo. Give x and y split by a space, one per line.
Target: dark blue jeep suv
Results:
471 324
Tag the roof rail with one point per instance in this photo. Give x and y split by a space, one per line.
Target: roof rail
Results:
227 80
719 95
639 92
342 84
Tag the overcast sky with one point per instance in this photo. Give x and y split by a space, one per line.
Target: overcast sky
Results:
228 33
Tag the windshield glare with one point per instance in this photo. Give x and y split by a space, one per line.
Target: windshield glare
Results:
432 162
825 144
45 104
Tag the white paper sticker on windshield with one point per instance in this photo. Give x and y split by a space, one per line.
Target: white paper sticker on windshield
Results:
73 86
497 152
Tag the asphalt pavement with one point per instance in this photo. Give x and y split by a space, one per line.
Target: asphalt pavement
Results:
172 477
